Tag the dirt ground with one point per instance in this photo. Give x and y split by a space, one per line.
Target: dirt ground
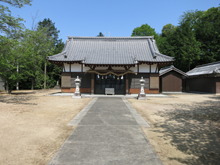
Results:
185 129
33 126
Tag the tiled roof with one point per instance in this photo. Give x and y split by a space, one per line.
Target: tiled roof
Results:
210 68
170 68
111 50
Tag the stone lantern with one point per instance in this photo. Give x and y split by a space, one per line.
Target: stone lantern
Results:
77 94
142 95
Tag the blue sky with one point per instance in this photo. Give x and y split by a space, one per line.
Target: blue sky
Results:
111 17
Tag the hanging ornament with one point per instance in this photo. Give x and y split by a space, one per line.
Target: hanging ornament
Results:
102 77
122 77
118 78
106 77
97 76
113 76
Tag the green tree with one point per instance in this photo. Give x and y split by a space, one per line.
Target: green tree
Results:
145 30
53 70
11 55
9 23
168 29
37 45
11 52
100 35
208 33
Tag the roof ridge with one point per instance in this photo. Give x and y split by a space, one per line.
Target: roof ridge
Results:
212 63
165 56
136 37
167 67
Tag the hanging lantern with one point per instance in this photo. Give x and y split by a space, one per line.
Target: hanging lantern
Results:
102 77
113 76
122 77
106 77
118 78
97 76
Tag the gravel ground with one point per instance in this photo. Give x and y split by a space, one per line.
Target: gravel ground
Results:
34 126
184 129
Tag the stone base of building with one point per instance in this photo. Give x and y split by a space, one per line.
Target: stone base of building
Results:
130 91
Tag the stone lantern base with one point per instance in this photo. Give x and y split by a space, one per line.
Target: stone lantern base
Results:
76 96
142 97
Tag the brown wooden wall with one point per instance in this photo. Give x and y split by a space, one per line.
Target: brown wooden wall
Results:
87 86
202 84
218 86
151 83
171 82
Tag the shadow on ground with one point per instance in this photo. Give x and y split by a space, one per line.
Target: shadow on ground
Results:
194 130
23 93
17 100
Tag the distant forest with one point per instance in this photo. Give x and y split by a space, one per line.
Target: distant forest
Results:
195 41
23 52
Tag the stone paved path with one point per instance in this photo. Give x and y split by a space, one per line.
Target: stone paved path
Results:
108 133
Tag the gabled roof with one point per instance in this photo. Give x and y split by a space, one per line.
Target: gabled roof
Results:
170 68
111 50
210 68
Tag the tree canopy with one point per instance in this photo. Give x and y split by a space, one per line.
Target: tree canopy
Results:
100 35
145 30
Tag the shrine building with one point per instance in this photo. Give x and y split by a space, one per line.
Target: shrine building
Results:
110 62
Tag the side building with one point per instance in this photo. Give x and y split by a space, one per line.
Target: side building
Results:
204 78
110 62
171 79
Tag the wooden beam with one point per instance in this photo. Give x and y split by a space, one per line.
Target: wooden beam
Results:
90 67
150 68
125 67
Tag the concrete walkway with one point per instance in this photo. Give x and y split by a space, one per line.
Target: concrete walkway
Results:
108 133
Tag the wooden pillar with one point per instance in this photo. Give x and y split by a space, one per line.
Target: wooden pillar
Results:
92 83
126 84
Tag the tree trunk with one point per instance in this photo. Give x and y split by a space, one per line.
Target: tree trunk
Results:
7 88
32 87
45 74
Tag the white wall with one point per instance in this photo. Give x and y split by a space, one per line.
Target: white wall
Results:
67 67
76 68
85 68
153 68
134 69
144 68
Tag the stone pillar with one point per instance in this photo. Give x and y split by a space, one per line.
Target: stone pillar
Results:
126 84
77 94
92 83
142 95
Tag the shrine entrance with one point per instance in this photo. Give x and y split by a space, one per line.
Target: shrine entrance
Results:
109 81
